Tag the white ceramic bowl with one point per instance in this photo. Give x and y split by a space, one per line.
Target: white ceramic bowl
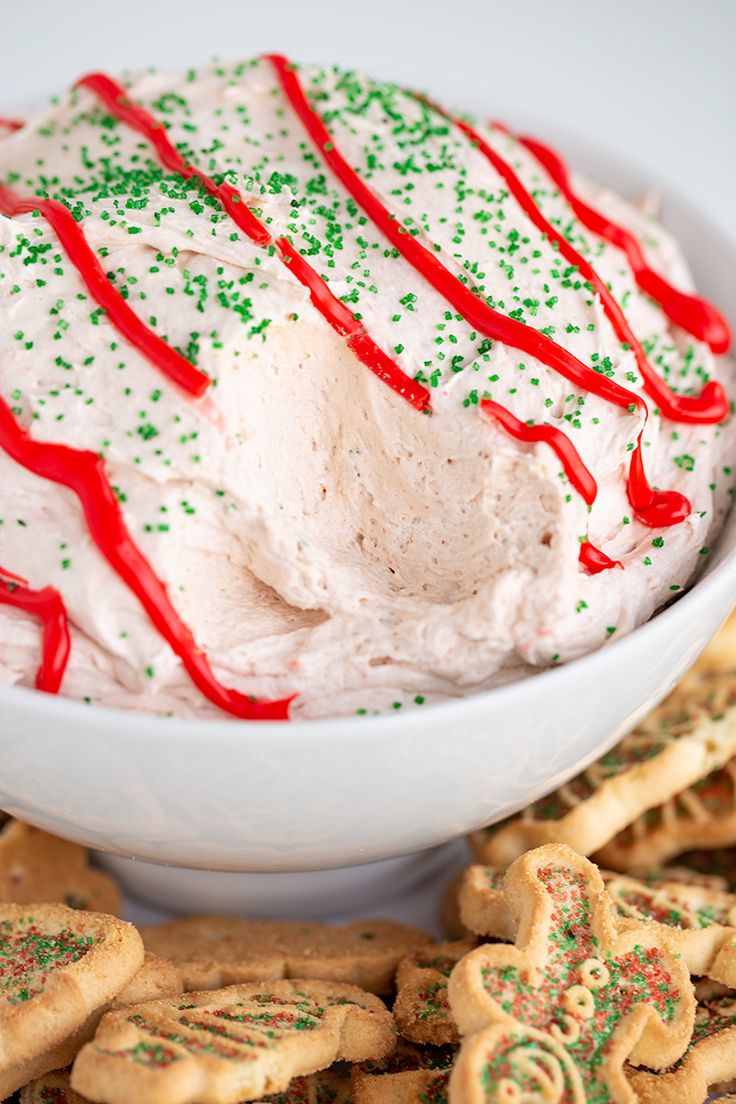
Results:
231 796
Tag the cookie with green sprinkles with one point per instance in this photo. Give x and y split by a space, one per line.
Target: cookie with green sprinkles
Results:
331 1086
421 1010
230 1045
36 866
709 1061
691 734
410 1075
211 951
698 922
573 999
59 969
702 815
326 1087
676 902
52 1088
155 979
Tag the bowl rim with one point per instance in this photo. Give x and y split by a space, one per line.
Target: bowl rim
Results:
62 709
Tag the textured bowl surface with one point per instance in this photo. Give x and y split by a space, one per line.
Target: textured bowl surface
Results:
232 796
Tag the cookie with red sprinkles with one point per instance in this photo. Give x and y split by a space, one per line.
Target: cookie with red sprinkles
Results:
699 923
156 978
212 951
331 1086
421 1009
59 968
690 735
326 1087
709 1061
36 866
572 1000
410 1075
702 815
52 1088
230 1045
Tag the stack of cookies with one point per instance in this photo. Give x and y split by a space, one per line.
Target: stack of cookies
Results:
591 959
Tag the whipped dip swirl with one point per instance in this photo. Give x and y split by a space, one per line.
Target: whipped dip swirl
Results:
316 400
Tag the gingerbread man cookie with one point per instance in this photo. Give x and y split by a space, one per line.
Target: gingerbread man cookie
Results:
554 1018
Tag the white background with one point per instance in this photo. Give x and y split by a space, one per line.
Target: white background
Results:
652 79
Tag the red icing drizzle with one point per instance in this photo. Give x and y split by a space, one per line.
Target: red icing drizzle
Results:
125 320
83 472
695 315
114 96
46 605
573 466
117 101
579 475
359 341
595 561
341 318
711 405
11 124
654 508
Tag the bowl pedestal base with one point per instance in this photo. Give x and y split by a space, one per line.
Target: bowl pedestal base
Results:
307 894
